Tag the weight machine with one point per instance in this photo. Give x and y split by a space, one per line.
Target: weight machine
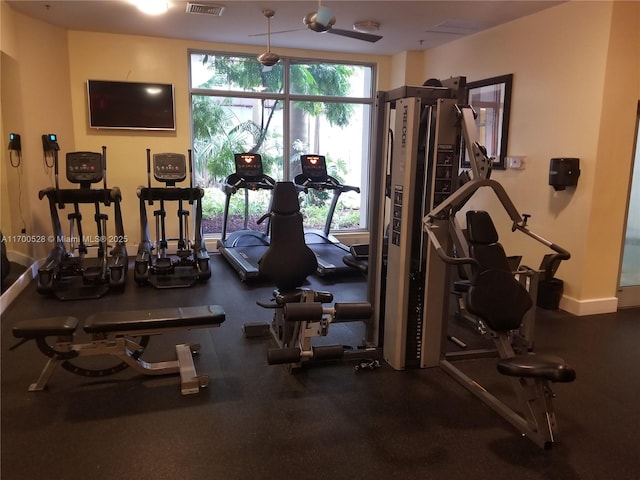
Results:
417 142
299 314
419 132
68 272
190 262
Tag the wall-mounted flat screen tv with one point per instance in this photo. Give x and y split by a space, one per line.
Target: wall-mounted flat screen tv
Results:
131 105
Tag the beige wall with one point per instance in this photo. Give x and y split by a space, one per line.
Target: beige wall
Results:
134 58
35 100
407 69
575 93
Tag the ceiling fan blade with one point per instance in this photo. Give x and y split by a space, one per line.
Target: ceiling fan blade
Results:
367 37
275 33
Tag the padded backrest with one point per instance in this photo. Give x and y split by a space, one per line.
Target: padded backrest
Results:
499 300
288 261
495 295
483 242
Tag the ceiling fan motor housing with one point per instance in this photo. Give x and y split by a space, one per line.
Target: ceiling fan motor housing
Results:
314 21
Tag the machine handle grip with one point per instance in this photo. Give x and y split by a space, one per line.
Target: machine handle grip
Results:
299 312
353 311
328 352
277 356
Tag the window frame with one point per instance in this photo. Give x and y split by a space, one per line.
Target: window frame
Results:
287 98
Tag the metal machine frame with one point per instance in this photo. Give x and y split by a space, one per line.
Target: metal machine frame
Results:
401 157
414 180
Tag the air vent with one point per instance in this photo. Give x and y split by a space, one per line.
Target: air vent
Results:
456 27
205 9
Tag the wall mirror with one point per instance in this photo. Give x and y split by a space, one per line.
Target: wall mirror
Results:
491 100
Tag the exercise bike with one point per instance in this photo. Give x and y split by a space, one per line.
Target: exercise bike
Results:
68 272
189 263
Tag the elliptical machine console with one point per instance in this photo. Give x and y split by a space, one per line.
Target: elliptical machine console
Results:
68 272
169 168
154 263
84 168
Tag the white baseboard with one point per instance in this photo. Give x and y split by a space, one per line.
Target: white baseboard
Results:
22 282
592 306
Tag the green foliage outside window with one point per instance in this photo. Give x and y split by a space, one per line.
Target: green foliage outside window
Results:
221 129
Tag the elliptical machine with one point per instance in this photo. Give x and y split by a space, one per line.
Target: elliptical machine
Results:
190 261
68 272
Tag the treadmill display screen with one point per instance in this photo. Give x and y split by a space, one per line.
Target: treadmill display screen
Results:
248 164
314 166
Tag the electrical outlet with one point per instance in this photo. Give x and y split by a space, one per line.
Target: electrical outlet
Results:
515 162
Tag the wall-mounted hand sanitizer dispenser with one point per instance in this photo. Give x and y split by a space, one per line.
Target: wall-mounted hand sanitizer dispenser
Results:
564 172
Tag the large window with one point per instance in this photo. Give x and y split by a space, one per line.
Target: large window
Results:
281 112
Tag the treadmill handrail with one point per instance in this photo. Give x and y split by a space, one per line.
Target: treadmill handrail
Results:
328 183
235 182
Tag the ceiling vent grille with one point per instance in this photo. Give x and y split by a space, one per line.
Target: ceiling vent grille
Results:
456 27
205 9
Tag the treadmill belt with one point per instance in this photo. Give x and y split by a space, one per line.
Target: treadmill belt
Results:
329 257
244 259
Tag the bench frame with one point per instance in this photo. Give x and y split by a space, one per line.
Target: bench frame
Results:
121 345
535 416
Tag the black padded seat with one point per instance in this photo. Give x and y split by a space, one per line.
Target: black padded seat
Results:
548 367
46 327
499 299
180 317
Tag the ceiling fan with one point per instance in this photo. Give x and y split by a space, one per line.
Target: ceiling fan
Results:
268 58
323 20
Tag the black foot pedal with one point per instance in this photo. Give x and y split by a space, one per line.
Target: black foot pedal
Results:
256 329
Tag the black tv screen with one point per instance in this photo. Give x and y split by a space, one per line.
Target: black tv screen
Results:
131 105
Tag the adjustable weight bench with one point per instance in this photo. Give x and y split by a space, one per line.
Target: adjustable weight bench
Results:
123 335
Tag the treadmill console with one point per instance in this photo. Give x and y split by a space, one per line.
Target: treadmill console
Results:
314 167
169 167
84 167
248 165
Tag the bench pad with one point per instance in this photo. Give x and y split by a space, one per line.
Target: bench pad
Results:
44 327
200 316
537 366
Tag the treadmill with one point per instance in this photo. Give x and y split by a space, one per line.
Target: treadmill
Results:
328 249
244 248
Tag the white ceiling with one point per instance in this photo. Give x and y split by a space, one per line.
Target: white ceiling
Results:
404 25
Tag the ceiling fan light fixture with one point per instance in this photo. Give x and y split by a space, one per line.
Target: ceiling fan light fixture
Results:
366 26
152 7
323 16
